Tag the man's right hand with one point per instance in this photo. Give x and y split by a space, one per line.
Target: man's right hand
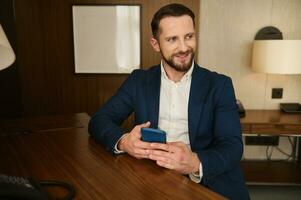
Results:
132 144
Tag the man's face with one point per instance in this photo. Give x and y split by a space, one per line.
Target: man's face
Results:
176 41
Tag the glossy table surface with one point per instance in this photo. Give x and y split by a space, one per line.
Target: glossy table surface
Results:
59 148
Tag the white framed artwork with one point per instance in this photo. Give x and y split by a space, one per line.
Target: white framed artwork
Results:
106 38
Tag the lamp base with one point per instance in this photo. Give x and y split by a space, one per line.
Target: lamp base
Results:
291 107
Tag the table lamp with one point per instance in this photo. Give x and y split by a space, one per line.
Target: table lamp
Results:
273 55
7 56
277 56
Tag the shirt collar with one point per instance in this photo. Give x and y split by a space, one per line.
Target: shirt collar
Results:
186 76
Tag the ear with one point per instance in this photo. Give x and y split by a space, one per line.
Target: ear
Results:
155 44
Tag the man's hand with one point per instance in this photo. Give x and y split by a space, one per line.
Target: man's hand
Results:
132 144
176 156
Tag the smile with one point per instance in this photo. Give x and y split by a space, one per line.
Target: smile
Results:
182 55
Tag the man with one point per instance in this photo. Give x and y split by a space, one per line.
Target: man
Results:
196 108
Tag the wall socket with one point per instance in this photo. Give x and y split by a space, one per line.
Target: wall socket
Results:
277 93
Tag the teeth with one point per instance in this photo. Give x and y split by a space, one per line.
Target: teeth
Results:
182 56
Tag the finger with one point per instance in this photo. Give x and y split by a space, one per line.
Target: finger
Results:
159 158
140 152
141 156
165 165
145 125
178 144
161 146
142 145
175 157
165 147
160 153
137 129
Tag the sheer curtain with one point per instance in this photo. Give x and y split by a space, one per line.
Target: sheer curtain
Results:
127 37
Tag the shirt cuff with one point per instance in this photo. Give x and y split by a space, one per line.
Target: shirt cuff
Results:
197 177
116 150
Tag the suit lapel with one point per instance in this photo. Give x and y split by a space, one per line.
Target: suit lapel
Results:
198 91
153 95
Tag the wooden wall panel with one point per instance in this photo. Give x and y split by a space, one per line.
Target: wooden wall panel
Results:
45 42
10 91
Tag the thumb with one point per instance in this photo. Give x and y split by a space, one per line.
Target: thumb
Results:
137 129
145 125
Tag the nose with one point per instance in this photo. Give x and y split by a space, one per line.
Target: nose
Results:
183 45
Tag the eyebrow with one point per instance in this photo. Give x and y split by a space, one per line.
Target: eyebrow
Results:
170 37
191 33
174 36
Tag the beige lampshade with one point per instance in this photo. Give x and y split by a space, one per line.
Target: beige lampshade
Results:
7 56
277 56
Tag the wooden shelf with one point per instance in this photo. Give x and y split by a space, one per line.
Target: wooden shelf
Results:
274 123
271 172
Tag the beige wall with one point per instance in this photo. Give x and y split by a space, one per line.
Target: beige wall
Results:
227 29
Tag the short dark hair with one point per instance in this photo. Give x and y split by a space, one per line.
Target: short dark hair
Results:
174 10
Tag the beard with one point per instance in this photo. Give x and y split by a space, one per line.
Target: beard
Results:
180 67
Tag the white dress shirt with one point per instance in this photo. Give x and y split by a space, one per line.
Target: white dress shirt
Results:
173 111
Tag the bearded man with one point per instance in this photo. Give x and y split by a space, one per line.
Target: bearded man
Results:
194 106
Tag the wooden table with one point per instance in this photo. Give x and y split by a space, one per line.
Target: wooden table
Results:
59 148
276 123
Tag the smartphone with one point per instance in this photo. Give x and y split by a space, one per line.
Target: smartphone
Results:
153 135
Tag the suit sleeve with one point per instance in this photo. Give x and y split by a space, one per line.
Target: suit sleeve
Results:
105 124
226 149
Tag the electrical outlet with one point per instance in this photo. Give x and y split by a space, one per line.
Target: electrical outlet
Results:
277 93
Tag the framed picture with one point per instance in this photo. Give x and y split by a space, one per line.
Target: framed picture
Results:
106 38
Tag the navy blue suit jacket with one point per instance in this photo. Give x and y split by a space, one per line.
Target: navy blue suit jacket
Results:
213 123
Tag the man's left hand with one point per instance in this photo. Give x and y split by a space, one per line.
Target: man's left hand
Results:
176 156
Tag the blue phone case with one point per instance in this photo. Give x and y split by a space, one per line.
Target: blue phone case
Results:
153 135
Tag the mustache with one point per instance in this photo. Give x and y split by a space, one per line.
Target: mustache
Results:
183 53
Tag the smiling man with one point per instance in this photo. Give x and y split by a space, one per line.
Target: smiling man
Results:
196 108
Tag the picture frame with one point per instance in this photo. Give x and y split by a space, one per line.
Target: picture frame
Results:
106 38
